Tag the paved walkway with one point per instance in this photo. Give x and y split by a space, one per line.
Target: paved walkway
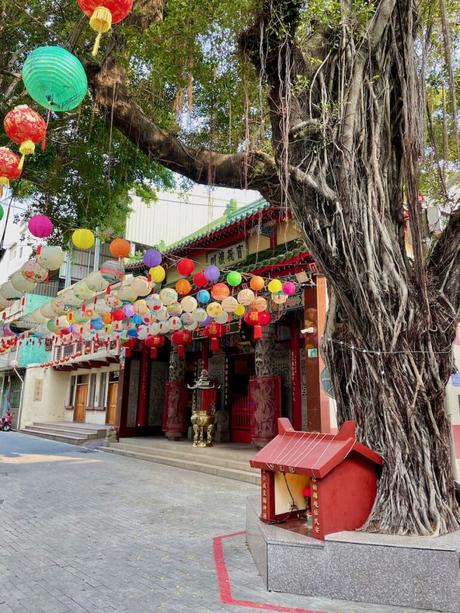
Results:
81 530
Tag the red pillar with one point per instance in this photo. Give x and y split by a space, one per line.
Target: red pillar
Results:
295 375
315 317
143 387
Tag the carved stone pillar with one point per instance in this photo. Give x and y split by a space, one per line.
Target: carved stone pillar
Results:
175 407
265 390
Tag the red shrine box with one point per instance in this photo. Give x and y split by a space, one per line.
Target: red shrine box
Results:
331 478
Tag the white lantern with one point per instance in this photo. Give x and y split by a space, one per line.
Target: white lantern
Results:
199 315
82 291
175 323
246 296
96 282
229 304
174 308
51 257
189 304
168 296
127 294
192 326
32 271
222 318
8 292
141 286
21 284
154 328
142 333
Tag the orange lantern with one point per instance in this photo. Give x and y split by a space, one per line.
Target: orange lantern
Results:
183 287
26 128
220 291
257 283
120 248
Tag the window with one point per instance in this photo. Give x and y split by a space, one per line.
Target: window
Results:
92 390
82 379
71 397
102 389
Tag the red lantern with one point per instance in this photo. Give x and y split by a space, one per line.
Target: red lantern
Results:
104 13
118 315
200 280
26 128
181 338
9 167
185 267
129 344
155 343
257 319
215 331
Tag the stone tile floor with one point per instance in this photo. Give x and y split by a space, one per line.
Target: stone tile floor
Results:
81 530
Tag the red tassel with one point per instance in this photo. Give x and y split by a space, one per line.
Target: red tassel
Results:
257 333
128 352
181 351
215 345
153 353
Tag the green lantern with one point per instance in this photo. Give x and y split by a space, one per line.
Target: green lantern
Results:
54 78
2 212
234 278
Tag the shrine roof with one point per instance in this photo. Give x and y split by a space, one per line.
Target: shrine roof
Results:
311 453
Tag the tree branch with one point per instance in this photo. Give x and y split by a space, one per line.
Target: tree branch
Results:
253 170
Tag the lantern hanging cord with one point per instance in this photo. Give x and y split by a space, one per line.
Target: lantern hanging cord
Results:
374 352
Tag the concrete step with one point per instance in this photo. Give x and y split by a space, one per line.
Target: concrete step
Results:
90 429
246 476
56 436
65 431
193 454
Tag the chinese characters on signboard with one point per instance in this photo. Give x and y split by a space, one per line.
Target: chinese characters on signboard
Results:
228 255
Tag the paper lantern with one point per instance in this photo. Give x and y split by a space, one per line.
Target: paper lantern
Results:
141 308
104 13
203 296
162 313
95 281
212 273
174 308
234 278
175 323
120 248
118 315
246 296
127 294
155 342
257 320
199 315
289 288
83 239
259 304
9 167
257 283
54 78
185 267
229 304
223 318
21 284
32 271
189 304
200 280
157 274
214 309
239 311
51 257
220 291
26 128
128 310
275 286
187 319
214 331
112 271
2 212
183 287
141 286
152 258
192 326
181 338
279 298
168 296
82 291
40 226
8 292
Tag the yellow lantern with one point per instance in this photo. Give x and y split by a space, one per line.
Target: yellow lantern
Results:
275 286
239 310
83 238
157 274
214 309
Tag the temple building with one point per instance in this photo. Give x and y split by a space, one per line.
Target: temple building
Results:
279 375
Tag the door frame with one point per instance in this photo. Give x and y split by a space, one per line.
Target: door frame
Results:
78 386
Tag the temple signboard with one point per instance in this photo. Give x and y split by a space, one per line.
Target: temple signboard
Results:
228 255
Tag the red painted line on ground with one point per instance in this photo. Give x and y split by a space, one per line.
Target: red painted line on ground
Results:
225 587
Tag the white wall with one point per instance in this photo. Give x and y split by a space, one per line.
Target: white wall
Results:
177 214
53 396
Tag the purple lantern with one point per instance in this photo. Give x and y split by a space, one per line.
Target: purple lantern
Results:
212 273
152 258
128 310
206 321
40 226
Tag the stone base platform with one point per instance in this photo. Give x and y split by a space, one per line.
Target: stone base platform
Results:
416 572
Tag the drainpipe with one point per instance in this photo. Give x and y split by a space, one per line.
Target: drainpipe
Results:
21 397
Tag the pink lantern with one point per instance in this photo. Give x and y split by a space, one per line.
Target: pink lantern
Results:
40 226
289 288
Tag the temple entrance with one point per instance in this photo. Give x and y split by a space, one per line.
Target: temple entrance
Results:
242 367
79 414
